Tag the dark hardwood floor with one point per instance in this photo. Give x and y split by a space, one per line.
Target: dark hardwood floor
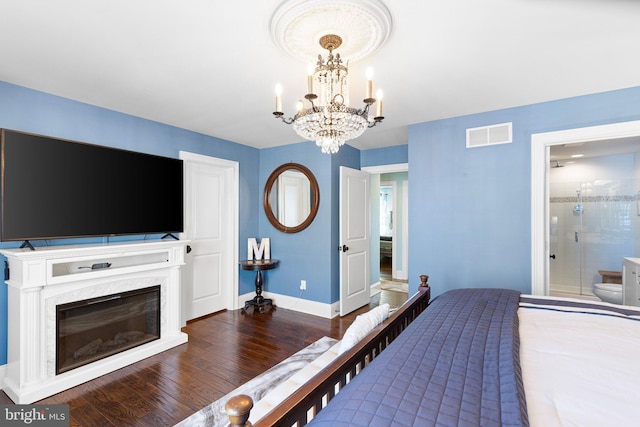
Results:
224 351
385 268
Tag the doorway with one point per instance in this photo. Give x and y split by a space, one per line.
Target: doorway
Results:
395 175
592 208
387 229
608 139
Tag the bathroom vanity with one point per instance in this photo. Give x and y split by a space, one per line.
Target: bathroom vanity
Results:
631 281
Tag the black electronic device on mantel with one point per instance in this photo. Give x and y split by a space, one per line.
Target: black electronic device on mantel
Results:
54 188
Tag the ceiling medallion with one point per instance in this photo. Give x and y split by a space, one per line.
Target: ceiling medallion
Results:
297 25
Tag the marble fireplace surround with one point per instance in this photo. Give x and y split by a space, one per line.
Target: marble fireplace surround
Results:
42 279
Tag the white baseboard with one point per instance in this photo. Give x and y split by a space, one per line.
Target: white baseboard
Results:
3 374
298 304
569 289
304 305
375 289
399 275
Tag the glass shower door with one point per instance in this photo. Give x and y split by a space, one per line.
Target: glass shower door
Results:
591 229
566 240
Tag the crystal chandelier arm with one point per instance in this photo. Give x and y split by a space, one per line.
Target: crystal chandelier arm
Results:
376 120
365 111
280 115
311 97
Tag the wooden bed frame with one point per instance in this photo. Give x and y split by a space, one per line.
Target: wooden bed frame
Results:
311 397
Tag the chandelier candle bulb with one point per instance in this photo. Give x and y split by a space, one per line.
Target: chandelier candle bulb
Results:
310 84
278 98
379 97
310 71
369 75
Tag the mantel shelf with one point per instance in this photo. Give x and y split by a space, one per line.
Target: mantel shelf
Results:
62 264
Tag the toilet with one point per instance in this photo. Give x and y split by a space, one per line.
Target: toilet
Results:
610 290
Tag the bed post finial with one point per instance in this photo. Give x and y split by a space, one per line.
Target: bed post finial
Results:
423 279
238 408
424 286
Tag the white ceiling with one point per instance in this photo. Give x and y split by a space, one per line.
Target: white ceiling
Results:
211 66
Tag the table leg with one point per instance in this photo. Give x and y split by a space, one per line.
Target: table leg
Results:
258 302
258 298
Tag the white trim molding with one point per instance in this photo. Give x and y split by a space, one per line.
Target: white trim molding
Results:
3 374
396 167
540 148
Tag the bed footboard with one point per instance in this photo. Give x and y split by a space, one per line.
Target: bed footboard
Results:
311 397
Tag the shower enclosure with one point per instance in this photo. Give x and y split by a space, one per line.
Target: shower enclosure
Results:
592 226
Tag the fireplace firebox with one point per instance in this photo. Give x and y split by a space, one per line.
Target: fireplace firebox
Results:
96 328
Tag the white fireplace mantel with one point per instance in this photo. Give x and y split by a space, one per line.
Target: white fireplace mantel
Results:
41 279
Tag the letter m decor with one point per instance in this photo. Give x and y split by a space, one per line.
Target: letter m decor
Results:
258 252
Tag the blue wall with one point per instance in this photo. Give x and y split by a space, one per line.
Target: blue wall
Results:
31 111
470 209
385 156
311 254
304 255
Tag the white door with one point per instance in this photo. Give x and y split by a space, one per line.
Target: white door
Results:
354 239
210 274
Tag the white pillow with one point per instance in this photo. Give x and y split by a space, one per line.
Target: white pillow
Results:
363 324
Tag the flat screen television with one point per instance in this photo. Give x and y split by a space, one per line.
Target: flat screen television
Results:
53 188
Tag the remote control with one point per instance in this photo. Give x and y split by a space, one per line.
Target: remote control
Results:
101 265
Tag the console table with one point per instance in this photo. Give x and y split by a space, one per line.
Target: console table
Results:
259 302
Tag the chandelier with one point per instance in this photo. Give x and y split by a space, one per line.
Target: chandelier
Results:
329 121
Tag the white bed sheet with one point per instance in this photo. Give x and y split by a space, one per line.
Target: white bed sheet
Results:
580 369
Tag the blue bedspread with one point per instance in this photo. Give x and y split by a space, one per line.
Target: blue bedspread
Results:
457 364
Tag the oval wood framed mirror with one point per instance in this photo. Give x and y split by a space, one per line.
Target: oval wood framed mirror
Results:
291 197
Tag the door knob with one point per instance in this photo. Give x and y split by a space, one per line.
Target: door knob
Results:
188 248
343 248
552 256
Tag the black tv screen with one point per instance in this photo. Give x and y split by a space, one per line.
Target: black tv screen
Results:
54 188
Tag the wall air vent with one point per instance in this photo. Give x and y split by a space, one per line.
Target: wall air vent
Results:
489 135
